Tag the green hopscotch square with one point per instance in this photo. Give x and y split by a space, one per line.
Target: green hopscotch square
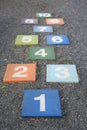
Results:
41 53
26 40
43 15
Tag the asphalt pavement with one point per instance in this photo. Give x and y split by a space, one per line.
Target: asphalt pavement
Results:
73 95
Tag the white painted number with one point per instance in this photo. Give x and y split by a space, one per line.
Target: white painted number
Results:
41 98
42 29
20 73
55 20
57 39
26 39
44 14
41 52
28 21
63 73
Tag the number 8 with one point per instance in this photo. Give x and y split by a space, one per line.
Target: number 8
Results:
28 21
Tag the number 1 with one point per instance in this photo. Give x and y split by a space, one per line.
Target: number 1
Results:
42 102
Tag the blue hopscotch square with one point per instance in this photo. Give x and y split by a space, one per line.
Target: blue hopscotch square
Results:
57 40
62 73
42 29
41 103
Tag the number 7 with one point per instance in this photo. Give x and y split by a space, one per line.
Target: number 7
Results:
42 28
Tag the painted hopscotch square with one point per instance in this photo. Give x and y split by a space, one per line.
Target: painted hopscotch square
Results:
41 53
26 40
42 29
29 21
41 103
43 15
62 73
51 21
57 40
20 73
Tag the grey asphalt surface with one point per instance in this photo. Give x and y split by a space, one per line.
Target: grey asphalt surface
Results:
73 96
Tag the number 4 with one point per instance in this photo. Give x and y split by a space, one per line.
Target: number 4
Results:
41 52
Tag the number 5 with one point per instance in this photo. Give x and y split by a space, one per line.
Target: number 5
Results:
26 39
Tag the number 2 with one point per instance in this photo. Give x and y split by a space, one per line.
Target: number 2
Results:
64 73
41 98
41 52
20 73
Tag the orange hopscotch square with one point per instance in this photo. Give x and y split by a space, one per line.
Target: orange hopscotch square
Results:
20 73
59 21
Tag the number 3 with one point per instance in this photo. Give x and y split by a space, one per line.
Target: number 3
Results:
64 73
20 73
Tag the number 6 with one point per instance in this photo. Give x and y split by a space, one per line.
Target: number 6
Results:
57 39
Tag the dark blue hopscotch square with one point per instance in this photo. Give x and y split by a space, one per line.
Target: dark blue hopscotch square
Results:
42 29
41 103
57 40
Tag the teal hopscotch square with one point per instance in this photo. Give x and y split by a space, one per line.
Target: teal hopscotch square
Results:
62 73
42 29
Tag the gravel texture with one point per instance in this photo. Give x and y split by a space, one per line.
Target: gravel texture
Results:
73 96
